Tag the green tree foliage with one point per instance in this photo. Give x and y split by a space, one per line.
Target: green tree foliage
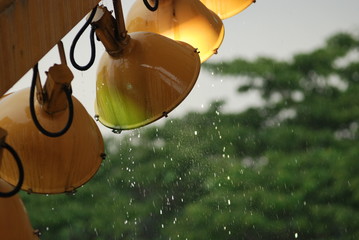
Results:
285 170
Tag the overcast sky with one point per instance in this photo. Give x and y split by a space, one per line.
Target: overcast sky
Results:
276 28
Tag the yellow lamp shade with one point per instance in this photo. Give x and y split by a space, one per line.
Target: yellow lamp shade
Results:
150 77
51 165
14 222
227 8
184 20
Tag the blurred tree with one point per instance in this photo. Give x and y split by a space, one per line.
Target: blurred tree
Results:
285 170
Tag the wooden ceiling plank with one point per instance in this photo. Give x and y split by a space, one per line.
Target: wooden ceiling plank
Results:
30 28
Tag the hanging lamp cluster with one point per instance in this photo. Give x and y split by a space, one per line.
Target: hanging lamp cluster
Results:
151 60
142 76
48 142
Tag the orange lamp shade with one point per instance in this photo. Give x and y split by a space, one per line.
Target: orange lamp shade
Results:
151 76
51 165
184 20
14 222
227 8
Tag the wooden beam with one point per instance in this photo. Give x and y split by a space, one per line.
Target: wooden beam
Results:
30 28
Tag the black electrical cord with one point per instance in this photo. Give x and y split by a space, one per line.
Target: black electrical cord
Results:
92 42
33 113
21 172
149 7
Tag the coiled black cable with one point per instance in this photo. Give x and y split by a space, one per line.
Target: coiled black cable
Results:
151 8
33 113
17 188
92 43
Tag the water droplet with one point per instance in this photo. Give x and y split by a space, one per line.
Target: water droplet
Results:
116 131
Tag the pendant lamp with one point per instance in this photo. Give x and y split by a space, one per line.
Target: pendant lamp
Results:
142 76
52 163
14 221
227 8
185 20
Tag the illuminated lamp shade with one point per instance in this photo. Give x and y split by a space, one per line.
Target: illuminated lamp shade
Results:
147 80
51 165
227 8
184 20
14 221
